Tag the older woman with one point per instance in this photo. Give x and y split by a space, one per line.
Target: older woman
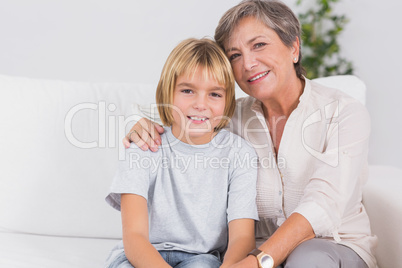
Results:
312 144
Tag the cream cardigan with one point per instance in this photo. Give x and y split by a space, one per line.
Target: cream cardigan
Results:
321 166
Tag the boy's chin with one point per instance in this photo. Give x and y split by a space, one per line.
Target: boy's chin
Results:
197 132
197 135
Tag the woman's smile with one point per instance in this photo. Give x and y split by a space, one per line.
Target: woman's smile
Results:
258 77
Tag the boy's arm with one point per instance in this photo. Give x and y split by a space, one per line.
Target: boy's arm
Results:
241 241
139 251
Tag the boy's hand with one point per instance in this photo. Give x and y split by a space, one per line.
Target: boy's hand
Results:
249 262
145 134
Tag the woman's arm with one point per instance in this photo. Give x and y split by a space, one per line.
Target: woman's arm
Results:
145 134
139 251
241 241
295 230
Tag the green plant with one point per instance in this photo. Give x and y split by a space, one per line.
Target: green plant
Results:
320 48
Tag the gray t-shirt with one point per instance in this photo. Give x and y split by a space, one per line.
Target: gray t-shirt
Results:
192 191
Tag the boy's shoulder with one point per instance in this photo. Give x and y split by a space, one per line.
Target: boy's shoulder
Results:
236 142
137 151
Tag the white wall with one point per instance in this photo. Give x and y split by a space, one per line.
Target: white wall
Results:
373 42
129 40
99 40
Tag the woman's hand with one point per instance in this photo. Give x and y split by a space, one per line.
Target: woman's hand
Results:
145 134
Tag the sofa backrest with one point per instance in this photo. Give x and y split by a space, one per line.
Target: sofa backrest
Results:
59 147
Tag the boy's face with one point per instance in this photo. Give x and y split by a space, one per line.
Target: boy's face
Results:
198 107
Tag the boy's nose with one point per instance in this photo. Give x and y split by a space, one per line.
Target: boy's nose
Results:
200 103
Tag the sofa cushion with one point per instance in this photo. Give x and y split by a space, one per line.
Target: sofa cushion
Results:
349 84
34 251
383 202
59 149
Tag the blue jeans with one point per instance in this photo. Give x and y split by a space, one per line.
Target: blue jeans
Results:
176 259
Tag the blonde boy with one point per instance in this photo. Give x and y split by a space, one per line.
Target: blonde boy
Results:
192 203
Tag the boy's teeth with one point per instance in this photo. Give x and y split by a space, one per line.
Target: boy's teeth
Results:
258 76
197 118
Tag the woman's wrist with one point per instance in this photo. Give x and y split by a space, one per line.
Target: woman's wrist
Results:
252 261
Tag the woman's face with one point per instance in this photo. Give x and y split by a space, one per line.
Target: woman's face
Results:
262 64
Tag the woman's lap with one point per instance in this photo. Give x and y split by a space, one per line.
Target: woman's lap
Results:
323 253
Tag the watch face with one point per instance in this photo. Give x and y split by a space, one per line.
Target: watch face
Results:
267 261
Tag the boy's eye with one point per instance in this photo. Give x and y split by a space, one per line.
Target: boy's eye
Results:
216 95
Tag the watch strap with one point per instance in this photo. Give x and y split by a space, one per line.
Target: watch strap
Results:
255 252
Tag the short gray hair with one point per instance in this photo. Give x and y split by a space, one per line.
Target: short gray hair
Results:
274 14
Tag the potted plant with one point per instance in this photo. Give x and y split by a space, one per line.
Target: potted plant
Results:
320 48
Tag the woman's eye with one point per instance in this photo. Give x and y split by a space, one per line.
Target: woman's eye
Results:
258 45
233 56
187 91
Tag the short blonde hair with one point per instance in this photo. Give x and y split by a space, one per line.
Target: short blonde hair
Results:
184 59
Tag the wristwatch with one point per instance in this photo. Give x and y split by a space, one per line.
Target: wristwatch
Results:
264 260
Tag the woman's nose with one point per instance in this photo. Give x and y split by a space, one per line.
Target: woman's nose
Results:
249 61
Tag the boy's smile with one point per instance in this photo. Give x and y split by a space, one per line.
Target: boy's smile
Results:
197 120
198 107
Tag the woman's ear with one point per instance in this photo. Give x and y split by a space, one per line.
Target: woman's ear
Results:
296 50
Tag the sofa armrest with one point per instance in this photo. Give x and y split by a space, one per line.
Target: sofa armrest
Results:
382 199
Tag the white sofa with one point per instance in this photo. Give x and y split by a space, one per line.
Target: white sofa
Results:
59 145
